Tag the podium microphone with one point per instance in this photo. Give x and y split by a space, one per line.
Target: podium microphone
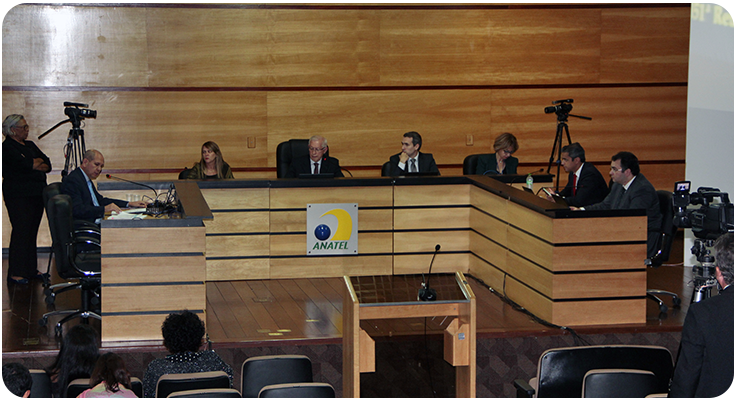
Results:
136 183
154 208
426 293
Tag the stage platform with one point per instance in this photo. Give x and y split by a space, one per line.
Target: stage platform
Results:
304 316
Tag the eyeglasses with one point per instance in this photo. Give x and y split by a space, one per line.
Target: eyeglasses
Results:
311 149
508 152
23 127
618 170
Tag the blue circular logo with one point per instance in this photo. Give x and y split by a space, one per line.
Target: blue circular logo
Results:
322 232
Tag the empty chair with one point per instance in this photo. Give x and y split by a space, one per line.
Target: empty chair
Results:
261 371
41 387
298 390
619 383
207 393
669 230
171 383
560 371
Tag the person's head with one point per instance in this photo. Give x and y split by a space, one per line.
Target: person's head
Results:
317 147
15 126
110 368
572 157
92 164
211 155
723 250
624 166
505 145
17 379
182 331
411 142
77 356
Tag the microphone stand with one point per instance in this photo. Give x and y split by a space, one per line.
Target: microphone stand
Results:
425 293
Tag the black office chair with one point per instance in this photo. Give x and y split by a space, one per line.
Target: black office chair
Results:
184 174
175 382
297 390
207 393
386 169
669 230
84 267
470 163
619 383
41 387
261 371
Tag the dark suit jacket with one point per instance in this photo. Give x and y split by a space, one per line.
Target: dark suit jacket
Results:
592 188
426 165
303 165
705 362
487 163
75 185
640 195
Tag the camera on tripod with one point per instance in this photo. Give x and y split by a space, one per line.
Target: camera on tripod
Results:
560 107
708 222
77 114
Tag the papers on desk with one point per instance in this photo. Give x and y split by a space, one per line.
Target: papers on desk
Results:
130 214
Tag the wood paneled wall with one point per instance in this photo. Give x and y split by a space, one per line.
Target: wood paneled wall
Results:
166 78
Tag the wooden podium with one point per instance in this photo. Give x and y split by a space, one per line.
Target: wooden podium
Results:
395 297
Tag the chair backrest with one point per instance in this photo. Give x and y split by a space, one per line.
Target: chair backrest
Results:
261 371
619 383
77 386
207 393
669 229
288 151
561 370
41 387
184 174
386 169
171 383
49 192
61 226
298 390
470 163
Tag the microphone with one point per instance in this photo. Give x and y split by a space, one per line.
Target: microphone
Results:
133 182
154 208
426 293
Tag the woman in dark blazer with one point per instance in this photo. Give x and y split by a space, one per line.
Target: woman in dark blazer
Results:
24 178
500 162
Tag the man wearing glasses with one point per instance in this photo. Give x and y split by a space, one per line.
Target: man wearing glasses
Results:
631 190
315 163
411 160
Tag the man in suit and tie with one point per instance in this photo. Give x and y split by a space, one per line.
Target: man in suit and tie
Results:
87 203
631 190
585 184
315 162
411 160
705 362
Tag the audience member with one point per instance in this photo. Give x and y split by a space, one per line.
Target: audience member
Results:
211 165
76 359
585 184
411 160
110 379
631 190
501 161
315 162
183 334
704 367
87 203
24 178
17 379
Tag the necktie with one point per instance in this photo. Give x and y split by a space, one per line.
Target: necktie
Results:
412 166
316 168
92 192
574 184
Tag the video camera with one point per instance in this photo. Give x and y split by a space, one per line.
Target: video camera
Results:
560 107
76 115
708 221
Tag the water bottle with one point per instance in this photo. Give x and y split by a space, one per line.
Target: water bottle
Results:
530 181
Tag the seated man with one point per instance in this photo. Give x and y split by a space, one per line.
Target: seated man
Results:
87 203
411 160
585 184
315 162
631 190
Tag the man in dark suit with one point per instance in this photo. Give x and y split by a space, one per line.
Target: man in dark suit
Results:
315 162
631 190
705 362
411 160
585 184
87 203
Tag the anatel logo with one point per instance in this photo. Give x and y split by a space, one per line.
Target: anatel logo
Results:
332 229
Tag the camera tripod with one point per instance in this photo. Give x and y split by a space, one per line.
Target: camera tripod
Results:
704 274
74 149
557 145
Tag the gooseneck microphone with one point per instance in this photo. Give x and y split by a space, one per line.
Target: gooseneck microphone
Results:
155 194
426 293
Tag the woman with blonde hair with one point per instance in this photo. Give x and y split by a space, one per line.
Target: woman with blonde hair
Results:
211 166
500 162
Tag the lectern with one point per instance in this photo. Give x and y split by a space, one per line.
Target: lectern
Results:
395 297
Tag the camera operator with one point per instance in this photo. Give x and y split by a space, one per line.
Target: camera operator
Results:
705 362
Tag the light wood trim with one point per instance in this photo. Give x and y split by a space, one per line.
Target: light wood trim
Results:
431 218
590 313
367 353
430 195
350 342
136 240
489 274
488 226
153 298
443 263
602 229
599 285
330 267
238 269
236 198
238 245
465 376
425 241
139 270
238 222
290 198
531 274
406 311
456 351
534 302
295 221
488 250
603 257
296 244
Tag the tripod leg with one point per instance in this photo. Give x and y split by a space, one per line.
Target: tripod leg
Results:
558 139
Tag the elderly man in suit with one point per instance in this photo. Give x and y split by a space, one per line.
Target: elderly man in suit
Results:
411 160
315 162
585 184
87 203
631 190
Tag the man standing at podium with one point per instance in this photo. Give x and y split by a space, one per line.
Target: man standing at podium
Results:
315 162
411 160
